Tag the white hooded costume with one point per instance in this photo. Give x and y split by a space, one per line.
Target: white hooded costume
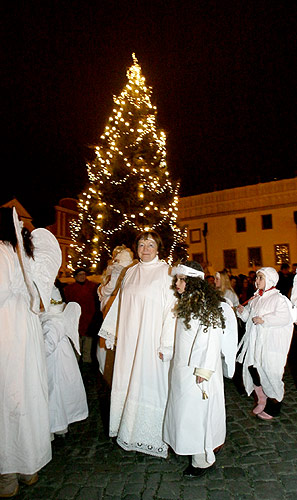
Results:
195 420
107 293
67 395
266 346
25 445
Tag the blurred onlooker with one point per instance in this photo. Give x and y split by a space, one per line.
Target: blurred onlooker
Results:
211 279
285 281
222 282
84 292
252 283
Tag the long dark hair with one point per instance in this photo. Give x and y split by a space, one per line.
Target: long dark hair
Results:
8 234
200 300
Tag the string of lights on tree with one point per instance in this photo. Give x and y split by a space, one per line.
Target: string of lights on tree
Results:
129 189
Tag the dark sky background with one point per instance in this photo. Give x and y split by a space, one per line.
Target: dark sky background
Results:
222 78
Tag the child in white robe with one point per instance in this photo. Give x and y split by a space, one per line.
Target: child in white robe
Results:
122 258
67 395
195 422
265 345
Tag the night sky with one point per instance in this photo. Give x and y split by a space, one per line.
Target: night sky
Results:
222 79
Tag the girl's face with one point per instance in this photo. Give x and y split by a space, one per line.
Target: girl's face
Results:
217 280
260 281
180 284
147 249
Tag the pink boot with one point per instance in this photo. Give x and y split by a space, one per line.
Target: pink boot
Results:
261 399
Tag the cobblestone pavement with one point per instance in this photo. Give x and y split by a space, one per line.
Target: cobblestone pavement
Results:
258 461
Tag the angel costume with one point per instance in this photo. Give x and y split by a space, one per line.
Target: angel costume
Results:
265 347
67 395
25 445
195 420
145 326
107 292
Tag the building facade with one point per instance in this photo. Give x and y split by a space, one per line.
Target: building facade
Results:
239 229
65 212
242 228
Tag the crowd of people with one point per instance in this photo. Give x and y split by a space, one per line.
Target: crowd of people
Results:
173 335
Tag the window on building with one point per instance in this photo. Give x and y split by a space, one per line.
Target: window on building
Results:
198 257
195 235
240 225
282 254
230 259
267 221
255 257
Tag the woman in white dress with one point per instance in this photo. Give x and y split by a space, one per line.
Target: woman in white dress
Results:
206 333
223 283
25 283
144 327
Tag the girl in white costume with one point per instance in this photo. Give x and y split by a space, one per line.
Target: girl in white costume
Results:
25 284
195 422
265 345
67 395
143 322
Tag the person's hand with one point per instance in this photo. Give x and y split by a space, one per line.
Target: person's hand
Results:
257 320
240 308
199 380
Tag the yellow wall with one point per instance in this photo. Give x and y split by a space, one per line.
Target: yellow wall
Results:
220 210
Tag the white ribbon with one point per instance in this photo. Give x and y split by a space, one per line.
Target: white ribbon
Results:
187 271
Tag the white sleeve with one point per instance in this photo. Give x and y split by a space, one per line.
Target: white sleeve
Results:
244 315
169 319
206 349
46 263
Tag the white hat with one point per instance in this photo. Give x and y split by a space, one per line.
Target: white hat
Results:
271 276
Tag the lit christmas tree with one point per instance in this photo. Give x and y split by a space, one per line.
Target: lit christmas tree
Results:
129 188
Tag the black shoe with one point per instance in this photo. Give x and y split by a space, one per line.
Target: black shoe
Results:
191 471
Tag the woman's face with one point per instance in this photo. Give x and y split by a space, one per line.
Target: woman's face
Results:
180 284
260 281
147 249
217 280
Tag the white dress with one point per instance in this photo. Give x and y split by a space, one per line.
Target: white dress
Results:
195 422
24 422
146 327
266 346
231 296
67 395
